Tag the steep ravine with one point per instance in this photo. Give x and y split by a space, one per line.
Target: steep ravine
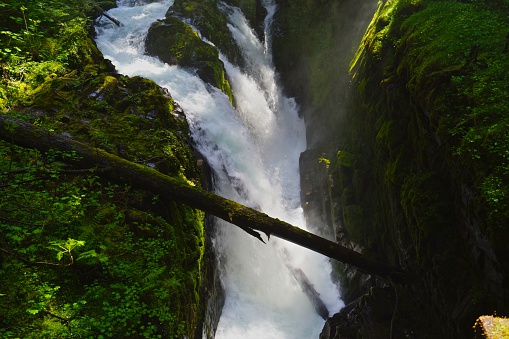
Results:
407 161
408 155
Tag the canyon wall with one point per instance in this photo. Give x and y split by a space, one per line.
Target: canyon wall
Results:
407 159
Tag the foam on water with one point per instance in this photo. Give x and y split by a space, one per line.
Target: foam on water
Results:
254 152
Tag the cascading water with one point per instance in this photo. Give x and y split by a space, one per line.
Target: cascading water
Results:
254 151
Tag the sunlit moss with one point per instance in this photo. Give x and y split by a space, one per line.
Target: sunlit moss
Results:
142 272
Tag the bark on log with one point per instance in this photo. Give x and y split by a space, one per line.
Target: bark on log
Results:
146 178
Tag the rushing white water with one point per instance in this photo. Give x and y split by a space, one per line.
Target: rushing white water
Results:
254 151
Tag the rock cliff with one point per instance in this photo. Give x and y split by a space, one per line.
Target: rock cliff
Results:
413 151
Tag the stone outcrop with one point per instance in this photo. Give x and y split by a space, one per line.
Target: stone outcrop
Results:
176 43
410 179
206 17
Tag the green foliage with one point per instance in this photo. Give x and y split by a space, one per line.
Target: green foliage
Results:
128 280
429 132
450 57
66 247
325 162
39 41
83 257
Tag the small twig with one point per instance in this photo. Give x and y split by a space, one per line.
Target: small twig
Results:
45 171
248 230
252 232
83 171
16 171
67 320
64 171
506 46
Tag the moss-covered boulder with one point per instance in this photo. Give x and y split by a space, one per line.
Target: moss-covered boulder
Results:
176 43
139 269
211 22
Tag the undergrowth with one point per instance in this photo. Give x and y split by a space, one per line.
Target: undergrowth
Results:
89 259
83 257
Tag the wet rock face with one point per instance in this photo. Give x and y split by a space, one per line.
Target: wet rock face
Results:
176 43
406 198
384 312
212 291
210 22
315 198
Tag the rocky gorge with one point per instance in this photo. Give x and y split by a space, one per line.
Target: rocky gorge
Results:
408 172
405 104
391 170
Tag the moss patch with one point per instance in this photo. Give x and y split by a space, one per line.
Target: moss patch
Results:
433 157
137 271
176 43
205 15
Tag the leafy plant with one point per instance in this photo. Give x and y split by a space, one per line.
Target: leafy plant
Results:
65 248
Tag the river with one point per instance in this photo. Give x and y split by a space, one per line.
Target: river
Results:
253 150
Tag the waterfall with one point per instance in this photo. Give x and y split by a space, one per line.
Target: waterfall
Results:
253 150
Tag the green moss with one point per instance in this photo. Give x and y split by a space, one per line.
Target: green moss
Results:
345 159
211 23
470 65
355 224
139 273
175 42
450 47
135 282
419 74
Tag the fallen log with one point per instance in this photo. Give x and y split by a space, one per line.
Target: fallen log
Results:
309 290
103 13
145 178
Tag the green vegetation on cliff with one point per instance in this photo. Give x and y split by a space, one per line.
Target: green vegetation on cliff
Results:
429 135
82 256
176 43
418 169
448 61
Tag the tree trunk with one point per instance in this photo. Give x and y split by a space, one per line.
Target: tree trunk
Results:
146 178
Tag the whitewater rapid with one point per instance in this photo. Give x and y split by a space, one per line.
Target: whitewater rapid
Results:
254 151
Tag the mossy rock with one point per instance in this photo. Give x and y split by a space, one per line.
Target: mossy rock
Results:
345 159
211 22
121 115
176 43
